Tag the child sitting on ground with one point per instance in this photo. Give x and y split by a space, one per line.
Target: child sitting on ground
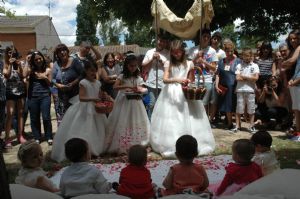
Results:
264 156
81 178
243 171
31 174
135 179
186 176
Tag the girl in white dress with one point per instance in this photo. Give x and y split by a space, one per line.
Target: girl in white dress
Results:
81 120
128 123
174 115
31 173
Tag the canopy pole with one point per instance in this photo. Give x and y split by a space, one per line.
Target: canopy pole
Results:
156 45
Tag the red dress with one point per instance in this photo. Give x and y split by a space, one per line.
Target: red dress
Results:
239 174
135 182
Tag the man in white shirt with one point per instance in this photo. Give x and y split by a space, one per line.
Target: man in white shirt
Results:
154 60
206 58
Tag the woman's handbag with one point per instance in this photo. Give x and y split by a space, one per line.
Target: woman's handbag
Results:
223 89
15 87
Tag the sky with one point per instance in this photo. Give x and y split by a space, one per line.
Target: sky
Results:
63 13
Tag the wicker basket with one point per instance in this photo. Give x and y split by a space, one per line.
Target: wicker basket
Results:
193 91
104 106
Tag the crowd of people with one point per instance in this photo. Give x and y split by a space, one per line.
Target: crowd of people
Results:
150 108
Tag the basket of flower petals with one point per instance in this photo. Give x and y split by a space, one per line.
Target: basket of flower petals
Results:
191 90
104 106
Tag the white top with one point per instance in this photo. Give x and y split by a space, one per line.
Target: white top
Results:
164 56
29 177
247 70
221 54
267 161
81 178
210 55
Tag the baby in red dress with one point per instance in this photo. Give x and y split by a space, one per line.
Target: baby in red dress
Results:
243 171
135 179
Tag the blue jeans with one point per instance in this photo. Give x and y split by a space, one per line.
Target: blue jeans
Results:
37 106
152 94
2 115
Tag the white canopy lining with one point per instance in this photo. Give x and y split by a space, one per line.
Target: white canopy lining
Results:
187 27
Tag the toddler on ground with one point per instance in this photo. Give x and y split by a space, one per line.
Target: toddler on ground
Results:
264 155
80 178
31 174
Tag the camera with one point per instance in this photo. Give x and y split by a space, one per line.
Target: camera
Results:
15 55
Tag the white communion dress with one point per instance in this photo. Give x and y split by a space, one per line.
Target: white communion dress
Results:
81 121
128 123
174 116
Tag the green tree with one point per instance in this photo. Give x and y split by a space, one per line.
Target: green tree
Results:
228 31
140 34
266 19
110 30
6 12
86 22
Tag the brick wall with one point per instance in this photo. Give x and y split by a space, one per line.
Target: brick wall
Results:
22 41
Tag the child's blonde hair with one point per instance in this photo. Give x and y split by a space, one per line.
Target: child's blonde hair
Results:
26 149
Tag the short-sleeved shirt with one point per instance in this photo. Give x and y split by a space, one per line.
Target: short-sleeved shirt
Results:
265 66
81 178
164 56
68 75
248 70
210 55
190 176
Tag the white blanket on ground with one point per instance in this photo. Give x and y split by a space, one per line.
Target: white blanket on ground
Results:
214 166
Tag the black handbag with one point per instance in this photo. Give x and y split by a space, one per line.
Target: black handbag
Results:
15 87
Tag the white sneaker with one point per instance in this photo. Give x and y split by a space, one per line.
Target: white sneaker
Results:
252 130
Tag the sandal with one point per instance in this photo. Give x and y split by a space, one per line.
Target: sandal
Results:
8 144
21 139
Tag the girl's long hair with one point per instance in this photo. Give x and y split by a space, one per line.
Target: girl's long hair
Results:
34 67
15 53
59 48
266 45
106 57
87 65
293 32
177 44
126 72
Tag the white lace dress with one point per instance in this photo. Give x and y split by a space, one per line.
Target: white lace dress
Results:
81 121
128 123
174 116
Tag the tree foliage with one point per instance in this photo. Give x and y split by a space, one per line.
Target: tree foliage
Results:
140 34
6 12
110 30
262 18
86 22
